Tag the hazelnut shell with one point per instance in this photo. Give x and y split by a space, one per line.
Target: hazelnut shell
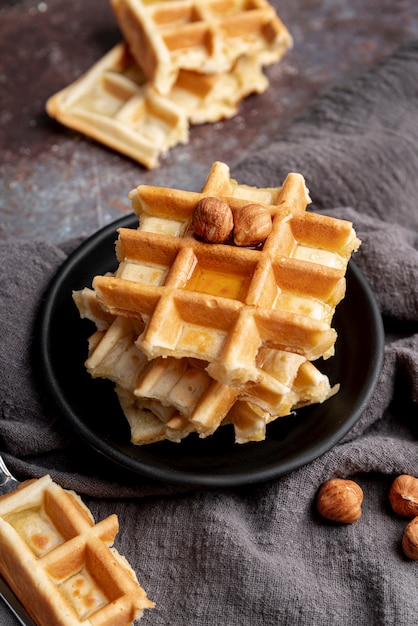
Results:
340 500
252 225
212 220
403 495
410 540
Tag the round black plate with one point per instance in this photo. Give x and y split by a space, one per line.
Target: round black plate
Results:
91 408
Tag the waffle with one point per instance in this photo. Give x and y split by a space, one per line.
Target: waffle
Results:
88 308
114 104
62 565
203 404
208 36
222 304
171 398
168 396
249 420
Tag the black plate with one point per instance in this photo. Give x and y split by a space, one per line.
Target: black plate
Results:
91 408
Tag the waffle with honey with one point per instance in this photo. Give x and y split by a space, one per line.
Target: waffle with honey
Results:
61 564
223 304
208 36
168 396
114 104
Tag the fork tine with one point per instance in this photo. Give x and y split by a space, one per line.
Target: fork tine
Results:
7 481
15 605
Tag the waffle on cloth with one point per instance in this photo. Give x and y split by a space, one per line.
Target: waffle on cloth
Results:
62 565
207 36
195 334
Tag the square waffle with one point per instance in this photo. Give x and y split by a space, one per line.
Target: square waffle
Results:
114 104
170 398
167 398
220 303
62 565
205 404
208 36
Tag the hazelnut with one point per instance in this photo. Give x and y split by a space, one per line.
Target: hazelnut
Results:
252 224
339 500
410 539
212 220
403 495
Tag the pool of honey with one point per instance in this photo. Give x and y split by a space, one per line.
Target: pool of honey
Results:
217 283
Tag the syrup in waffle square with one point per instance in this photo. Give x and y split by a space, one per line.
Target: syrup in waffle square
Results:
206 36
114 104
61 564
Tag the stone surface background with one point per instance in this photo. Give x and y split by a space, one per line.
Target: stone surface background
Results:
57 184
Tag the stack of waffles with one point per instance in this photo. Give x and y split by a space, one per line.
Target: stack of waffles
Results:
62 565
182 62
195 334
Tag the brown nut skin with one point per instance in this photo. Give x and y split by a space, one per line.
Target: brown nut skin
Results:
212 220
252 224
403 495
410 539
340 500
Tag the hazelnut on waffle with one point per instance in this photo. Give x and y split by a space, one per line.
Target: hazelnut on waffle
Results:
114 104
206 36
222 303
62 565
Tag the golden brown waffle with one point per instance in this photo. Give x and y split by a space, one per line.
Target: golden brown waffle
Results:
88 308
310 386
223 304
290 285
146 427
207 36
169 398
205 404
112 103
62 565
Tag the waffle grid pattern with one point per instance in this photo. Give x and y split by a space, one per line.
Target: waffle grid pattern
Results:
224 303
297 278
113 104
64 563
206 36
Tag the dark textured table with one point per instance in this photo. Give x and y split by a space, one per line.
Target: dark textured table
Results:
57 184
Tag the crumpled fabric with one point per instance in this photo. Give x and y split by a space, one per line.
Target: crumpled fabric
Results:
261 554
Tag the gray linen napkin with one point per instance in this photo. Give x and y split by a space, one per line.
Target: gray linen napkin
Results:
260 555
